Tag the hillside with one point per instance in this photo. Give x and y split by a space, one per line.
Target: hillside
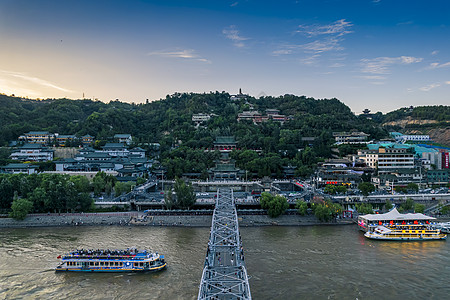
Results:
431 120
169 122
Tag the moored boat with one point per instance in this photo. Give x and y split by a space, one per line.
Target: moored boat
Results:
405 233
400 227
130 260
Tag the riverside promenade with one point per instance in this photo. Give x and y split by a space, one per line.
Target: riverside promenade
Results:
138 219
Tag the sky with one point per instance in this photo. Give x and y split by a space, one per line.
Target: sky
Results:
375 54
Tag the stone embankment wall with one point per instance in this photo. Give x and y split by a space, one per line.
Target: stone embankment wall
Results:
135 219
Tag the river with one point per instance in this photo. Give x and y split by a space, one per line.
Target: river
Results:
307 262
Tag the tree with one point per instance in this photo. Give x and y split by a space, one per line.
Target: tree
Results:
184 193
335 189
140 181
366 188
99 184
85 202
408 205
412 187
38 197
302 207
168 199
364 208
82 184
419 208
388 205
275 205
20 208
6 192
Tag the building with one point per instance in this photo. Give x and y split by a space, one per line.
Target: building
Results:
87 140
200 118
405 138
20 168
225 169
114 158
353 137
341 172
32 152
399 178
254 116
388 159
37 137
63 140
438 177
124 138
225 143
238 96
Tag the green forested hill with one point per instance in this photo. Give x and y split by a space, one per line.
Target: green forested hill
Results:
439 113
168 122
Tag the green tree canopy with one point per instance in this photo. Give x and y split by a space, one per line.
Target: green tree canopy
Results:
366 188
185 194
275 205
20 208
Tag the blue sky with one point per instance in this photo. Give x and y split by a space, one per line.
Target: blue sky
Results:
376 54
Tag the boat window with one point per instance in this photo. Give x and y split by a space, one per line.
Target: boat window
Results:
96 263
141 264
91 263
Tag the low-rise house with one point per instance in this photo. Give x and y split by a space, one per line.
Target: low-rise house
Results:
200 118
353 137
20 168
37 137
32 152
87 140
63 139
399 178
116 149
124 138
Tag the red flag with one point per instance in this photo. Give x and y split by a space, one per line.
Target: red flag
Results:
59 257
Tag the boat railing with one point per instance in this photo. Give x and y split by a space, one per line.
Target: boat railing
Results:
123 257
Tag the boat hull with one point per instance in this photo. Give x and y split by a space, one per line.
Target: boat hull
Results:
404 238
112 270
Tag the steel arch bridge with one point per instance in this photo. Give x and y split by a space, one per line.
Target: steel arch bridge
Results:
224 274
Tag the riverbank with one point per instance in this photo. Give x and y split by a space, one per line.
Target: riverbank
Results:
139 219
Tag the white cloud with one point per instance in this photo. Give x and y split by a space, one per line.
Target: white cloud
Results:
311 60
282 52
337 65
185 54
430 87
447 82
319 46
381 65
234 4
233 34
31 79
373 77
438 65
434 52
338 28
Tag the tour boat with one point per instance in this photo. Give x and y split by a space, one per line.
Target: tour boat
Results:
400 227
130 260
405 233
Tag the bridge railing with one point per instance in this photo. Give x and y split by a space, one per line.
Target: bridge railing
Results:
224 274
